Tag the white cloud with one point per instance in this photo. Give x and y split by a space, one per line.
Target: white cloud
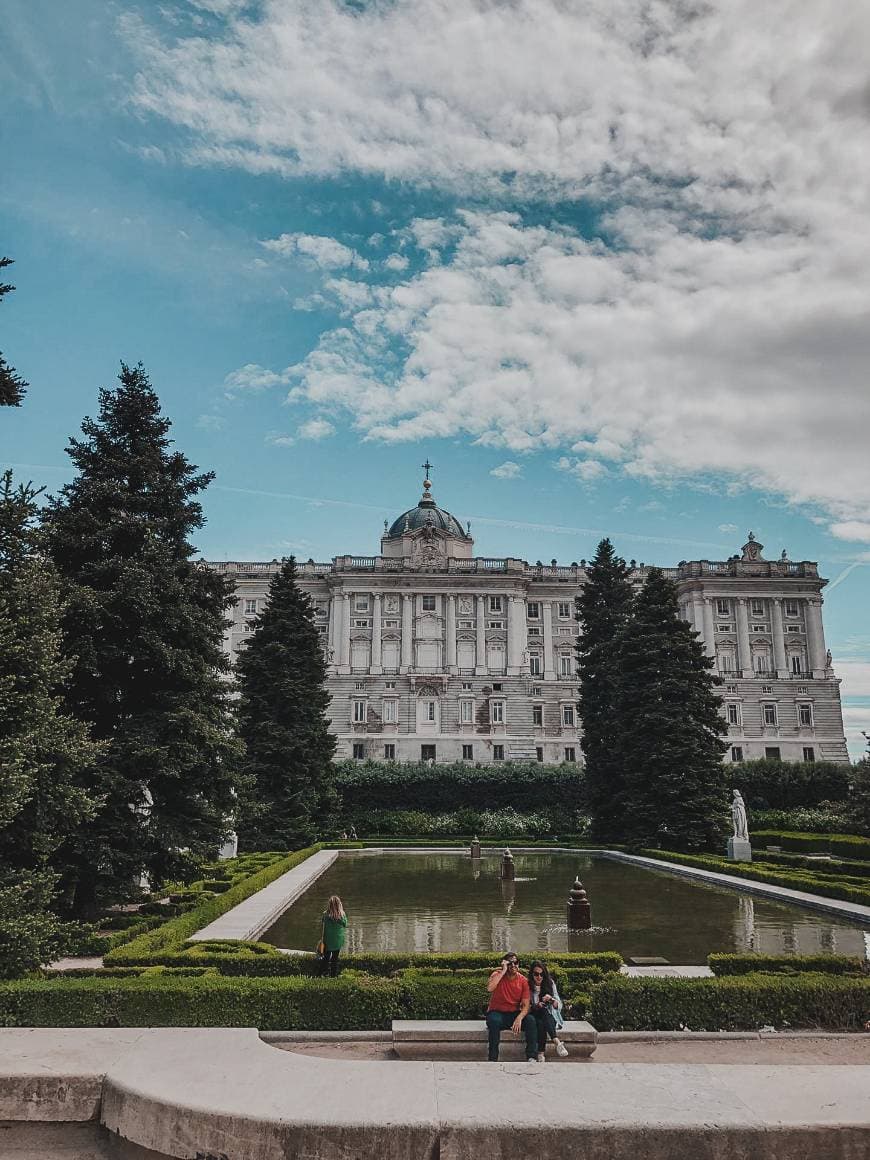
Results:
728 529
852 530
586 470
324 253
316 429
855 675
252 379
275 439
396 262
211 422
507 470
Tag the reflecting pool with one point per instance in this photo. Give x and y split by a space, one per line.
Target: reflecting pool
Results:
448 902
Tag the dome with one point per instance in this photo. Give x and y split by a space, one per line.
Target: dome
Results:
427 513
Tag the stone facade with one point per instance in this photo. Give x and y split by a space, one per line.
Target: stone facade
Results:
434 653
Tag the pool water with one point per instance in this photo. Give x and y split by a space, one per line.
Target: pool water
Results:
449 902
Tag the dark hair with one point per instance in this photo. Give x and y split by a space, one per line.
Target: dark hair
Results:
546 978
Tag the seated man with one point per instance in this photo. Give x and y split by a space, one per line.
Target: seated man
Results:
509 1002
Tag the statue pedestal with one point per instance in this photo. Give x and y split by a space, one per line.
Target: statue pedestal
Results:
739 850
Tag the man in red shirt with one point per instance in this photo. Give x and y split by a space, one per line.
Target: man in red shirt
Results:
509 1003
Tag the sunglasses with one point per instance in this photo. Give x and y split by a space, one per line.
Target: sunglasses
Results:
541 973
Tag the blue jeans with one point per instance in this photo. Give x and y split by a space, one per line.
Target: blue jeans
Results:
498 1021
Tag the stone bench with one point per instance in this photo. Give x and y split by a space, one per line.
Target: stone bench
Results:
437 1039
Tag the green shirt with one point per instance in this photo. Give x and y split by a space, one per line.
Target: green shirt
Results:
334 930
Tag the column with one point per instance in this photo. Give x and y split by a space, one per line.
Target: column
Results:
344 634
779 661
815 634
744 652
517 635
549 663
407 631
451 634
376 665
334 614
709 631
480 667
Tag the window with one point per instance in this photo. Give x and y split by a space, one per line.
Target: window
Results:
736 752
791 608
567 714
359 750
391 624
361 624
536 690
430 710
772 753
535 664
537 714
389 752
496 712
465 624
724 628
428 603
466 686
564 610
769 714
809 753
805 716
495 624
468 753
495 604
359 685
802 689
797 664
723 608
427 753
792 628
570 753
760 628
767 688
496 688
730 688
756 607
732 712
535 631
498 753
389 684
761 662
359 712
391 711
250 607
566 665
533 610
361 603
539 752
466 712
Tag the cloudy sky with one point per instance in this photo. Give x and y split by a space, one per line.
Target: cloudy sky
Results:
606 263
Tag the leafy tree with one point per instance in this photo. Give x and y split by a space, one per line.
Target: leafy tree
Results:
602 610
670 729
283 720
11 384
43 751
145 622
859 803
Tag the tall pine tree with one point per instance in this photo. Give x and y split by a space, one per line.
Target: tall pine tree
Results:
283 721
43 751
670 744
145 622
602 610
12 386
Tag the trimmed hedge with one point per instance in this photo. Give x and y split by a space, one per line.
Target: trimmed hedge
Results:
800 862
841 845
727 964
788 785
736 1003
847 890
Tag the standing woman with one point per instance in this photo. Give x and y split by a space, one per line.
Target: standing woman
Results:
334 931
546 1009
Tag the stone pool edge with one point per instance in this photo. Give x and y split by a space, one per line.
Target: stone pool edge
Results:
251 918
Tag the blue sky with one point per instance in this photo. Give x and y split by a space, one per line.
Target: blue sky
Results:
608 271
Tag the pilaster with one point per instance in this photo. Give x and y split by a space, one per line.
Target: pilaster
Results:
376 665
407 632
744 652
480 667
549 662
344 634
776 626
452 666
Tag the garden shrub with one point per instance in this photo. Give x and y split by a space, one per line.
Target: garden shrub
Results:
731 1003
790 785
835 868
840 845
825 818
747 964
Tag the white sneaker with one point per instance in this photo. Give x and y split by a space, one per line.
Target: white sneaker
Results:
531 1059
561 1049
541 1057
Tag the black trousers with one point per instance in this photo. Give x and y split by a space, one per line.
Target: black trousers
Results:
329 963
546 1025
498 1021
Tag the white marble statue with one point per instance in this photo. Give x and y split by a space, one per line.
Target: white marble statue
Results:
738 817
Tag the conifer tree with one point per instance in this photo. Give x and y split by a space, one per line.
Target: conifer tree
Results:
11 384
145 622
602 610
283 721
43 751
670 729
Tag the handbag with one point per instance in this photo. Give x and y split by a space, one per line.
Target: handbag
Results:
321 946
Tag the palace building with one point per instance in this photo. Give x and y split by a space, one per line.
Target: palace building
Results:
437 654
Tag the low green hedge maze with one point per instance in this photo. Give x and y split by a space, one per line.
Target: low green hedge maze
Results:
729 964
734 1003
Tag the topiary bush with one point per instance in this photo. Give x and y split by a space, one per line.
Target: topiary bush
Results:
733 964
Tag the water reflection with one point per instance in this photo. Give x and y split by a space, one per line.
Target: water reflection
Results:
447 902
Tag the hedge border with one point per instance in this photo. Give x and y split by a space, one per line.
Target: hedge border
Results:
846 845
722 964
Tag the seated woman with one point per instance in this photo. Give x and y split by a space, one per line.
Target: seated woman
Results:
546 1009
